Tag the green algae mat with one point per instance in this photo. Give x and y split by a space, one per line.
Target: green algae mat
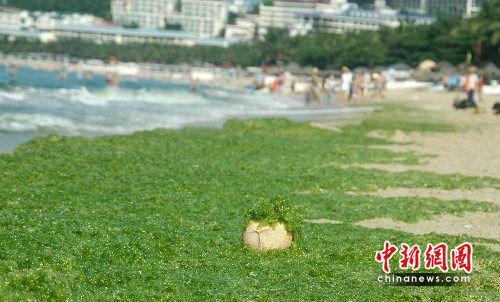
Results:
159 215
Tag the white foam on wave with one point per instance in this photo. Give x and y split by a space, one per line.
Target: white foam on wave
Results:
49 123
11 96
69 111
168 97
83 96
183 97
103 97
46 123
19 122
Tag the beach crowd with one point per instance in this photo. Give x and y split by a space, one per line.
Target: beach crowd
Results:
329 89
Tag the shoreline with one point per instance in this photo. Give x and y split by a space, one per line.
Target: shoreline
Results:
340 116
304 113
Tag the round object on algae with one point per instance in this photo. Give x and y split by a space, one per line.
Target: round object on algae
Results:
264 237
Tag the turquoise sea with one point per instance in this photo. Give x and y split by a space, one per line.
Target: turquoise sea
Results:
37 103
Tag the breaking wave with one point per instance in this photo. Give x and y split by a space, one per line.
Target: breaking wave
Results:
39 104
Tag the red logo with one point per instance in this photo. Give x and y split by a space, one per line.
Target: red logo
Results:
385 255
411 257
436 256
461 257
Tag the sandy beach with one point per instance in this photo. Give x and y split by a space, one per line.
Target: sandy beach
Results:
473 150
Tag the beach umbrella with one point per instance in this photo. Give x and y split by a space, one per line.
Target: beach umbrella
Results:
427 65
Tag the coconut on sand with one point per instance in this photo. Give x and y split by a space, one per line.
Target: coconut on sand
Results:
264 237
271 225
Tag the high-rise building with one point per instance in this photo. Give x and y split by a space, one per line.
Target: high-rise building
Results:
300 17
464 8
352 19
141 13
287 13
206 18
409 6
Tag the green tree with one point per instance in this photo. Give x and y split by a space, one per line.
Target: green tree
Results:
486 28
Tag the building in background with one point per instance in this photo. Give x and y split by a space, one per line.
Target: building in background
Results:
51 26
243 30
142 13
16 23
462 8
205 18
351 19
287 13
300 17
409 6
120 35
14 19
239 7
191 22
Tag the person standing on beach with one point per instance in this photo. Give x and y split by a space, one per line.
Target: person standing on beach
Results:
452 83
346 84
471 85
446 82
329 87
361 85
314 90
378 81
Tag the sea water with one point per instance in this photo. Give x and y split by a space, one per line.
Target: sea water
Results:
37 103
